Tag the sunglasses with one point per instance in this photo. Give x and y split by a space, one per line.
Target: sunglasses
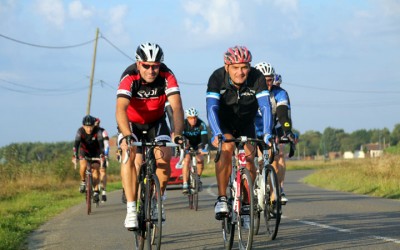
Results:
148 66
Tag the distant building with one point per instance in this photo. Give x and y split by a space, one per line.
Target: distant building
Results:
348 155
374 150
359 154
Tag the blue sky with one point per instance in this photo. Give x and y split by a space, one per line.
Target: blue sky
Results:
339 59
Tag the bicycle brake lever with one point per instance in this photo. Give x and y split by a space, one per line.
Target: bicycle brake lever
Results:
126 157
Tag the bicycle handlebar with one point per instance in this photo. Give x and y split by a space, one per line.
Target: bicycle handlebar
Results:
154 144
284 139
241 139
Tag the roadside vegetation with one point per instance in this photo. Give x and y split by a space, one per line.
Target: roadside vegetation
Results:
39 181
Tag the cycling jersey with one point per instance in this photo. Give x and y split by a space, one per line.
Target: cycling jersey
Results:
280 110
196 135
90 145
147 100
237 108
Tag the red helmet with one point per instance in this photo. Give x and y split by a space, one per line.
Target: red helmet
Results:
237 54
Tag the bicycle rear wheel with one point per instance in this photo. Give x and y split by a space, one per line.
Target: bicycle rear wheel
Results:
193 190
246 230
272 211
89 193
154 226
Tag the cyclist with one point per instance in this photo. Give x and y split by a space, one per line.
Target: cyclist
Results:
195 131
144 88
282 120
234 94
89 142
103 169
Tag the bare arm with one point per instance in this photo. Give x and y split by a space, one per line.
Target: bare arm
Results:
122 117
177 110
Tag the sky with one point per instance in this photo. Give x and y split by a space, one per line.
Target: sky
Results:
339 59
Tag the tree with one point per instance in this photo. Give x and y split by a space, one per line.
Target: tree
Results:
395 135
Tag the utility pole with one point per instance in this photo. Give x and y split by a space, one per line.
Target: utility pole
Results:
92 74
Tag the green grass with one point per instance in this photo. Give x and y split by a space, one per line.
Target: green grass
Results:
375 177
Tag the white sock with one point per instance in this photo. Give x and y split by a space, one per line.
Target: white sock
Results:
131 206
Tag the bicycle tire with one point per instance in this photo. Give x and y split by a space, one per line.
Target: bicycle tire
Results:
193 190
272 211
228 226
257 209
139 234
245 235
89 194
156 225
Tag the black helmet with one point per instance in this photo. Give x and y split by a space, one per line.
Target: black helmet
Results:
88 120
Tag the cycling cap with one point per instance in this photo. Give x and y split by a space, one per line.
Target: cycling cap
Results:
88 120
149 52
237 54
277 79
192 112
265 68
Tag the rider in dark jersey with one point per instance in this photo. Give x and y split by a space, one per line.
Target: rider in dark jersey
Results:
281 111
234 94
89 143
144 88
195 131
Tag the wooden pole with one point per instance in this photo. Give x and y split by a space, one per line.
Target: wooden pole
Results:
92 73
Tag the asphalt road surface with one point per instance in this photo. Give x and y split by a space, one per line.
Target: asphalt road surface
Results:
314 218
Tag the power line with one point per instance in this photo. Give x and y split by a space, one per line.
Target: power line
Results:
346 90
115 47
45 46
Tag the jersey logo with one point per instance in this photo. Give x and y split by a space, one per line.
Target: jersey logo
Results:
146 94
286 125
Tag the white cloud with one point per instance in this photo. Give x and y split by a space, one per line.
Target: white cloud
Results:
116 18
390 7
287 6
213 17
52 10
78 11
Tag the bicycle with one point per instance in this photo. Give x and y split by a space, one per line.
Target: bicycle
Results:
149 230
193 180
267 194
267 190
89 181
239 181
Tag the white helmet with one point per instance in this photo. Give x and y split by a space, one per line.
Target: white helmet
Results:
149 52
265 68
191 112
277 79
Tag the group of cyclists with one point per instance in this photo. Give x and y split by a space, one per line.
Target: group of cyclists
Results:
241 100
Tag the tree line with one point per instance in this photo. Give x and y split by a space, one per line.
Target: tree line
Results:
312 143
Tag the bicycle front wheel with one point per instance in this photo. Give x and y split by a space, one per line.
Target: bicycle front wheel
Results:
246 215
257 208
272 211
228 224
139 234
89 193
154 225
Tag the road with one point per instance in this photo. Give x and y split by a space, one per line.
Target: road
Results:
314 218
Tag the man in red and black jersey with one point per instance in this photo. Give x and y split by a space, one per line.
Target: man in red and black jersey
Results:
89 142
144 88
